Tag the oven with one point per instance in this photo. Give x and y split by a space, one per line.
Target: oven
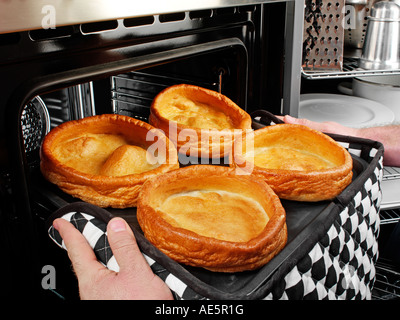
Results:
61 62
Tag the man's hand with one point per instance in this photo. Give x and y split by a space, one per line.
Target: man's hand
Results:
135 279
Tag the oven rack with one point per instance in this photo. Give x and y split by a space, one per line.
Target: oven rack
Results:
350 69
387 283
390 173
132 93
390 216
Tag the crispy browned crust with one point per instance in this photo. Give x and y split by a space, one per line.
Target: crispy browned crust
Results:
307 185
190 248
104 191
213 148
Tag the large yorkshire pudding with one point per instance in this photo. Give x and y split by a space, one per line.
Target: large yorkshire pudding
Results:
298 163
207 216
201 122
105 159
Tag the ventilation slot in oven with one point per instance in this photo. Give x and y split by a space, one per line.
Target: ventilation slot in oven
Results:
200 14
170 17
50 34
139 21
97 27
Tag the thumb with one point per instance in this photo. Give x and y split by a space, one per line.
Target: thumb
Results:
124 247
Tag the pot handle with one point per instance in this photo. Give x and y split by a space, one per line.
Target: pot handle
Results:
346 88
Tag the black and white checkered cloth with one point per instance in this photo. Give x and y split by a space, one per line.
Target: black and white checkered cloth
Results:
94 230
335 261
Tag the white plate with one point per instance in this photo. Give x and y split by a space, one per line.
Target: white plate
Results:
349 111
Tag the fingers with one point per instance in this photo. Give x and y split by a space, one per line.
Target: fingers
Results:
122 242
79 251
323 126
134 269
124 247
292 120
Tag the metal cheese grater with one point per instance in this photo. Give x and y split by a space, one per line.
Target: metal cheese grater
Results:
323 35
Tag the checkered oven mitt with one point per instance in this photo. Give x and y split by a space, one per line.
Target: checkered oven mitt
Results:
94 230
92 221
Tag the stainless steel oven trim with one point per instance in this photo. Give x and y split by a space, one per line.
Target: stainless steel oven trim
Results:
293 58
30 14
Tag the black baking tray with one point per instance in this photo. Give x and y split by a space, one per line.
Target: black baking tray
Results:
303 219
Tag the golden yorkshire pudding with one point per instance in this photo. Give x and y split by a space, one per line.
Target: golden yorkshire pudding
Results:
201 122
207 216
104 160
298 163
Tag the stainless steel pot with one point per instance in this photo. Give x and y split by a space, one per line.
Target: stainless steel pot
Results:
355 17
381 48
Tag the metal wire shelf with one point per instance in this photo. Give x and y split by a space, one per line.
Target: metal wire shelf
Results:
390 173
387 283
133 93
350 69
390 216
